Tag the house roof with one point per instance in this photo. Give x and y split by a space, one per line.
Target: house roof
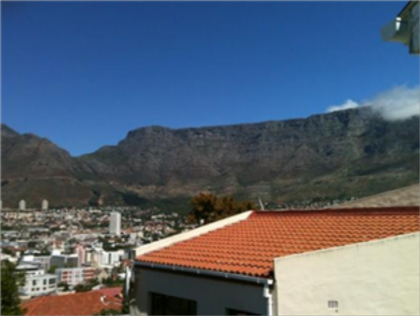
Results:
115 292
407 8
250 246
86 303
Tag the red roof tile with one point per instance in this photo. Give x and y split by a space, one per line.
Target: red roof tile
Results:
115 292
87 303
250 246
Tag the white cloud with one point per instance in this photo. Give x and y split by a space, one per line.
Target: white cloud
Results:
349 104
398 103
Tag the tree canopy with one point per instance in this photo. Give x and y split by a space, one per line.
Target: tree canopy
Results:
10 281
109 311
209 208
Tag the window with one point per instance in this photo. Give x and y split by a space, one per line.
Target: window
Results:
34 282
332 304
170 305
45 282
51 281
231 311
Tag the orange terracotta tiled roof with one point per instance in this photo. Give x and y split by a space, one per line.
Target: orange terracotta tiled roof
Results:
115 292
250 246
87 303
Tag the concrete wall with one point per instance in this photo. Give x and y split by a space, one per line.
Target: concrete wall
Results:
373 278
213 296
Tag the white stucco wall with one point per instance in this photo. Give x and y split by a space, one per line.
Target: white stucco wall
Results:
373 278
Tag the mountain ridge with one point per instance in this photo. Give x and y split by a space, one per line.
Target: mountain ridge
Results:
324 155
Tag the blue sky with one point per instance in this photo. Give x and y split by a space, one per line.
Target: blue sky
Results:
85 73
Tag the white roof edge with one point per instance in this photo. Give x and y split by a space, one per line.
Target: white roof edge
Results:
191 234
338 248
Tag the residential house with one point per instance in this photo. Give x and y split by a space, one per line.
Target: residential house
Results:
39 284
85 303
324 262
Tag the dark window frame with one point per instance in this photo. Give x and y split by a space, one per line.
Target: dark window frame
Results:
162 304
234 311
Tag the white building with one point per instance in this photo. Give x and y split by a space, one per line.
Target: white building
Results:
22 205
404 28
319 262
100 257
115 224
42 261
44 205
111 257
30 269
61 261
75 276
41 284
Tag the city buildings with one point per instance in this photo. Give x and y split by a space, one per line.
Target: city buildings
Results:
325 262
115 224
41 284
61 260
42 261
75 276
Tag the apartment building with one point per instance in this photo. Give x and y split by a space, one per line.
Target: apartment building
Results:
62 261
75 276
39 284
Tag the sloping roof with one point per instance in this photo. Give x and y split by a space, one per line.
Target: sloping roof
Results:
115 292
250 246
86 303
407 8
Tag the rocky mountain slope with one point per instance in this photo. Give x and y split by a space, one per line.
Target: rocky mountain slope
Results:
346 153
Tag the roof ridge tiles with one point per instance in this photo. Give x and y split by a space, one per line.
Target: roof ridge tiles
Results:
35 305
342 211
250 245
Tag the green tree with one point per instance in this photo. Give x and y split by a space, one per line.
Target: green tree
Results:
52 269
86 287
65 285
8 251
210 208
109 311
203 206
10 281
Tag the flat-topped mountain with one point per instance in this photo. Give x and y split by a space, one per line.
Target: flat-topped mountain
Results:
345 153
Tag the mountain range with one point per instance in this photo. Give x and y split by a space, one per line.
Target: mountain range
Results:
343 154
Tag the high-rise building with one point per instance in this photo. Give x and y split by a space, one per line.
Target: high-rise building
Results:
22 205
81 253
115 224
44 205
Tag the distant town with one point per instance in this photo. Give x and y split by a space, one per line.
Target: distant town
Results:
61 249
